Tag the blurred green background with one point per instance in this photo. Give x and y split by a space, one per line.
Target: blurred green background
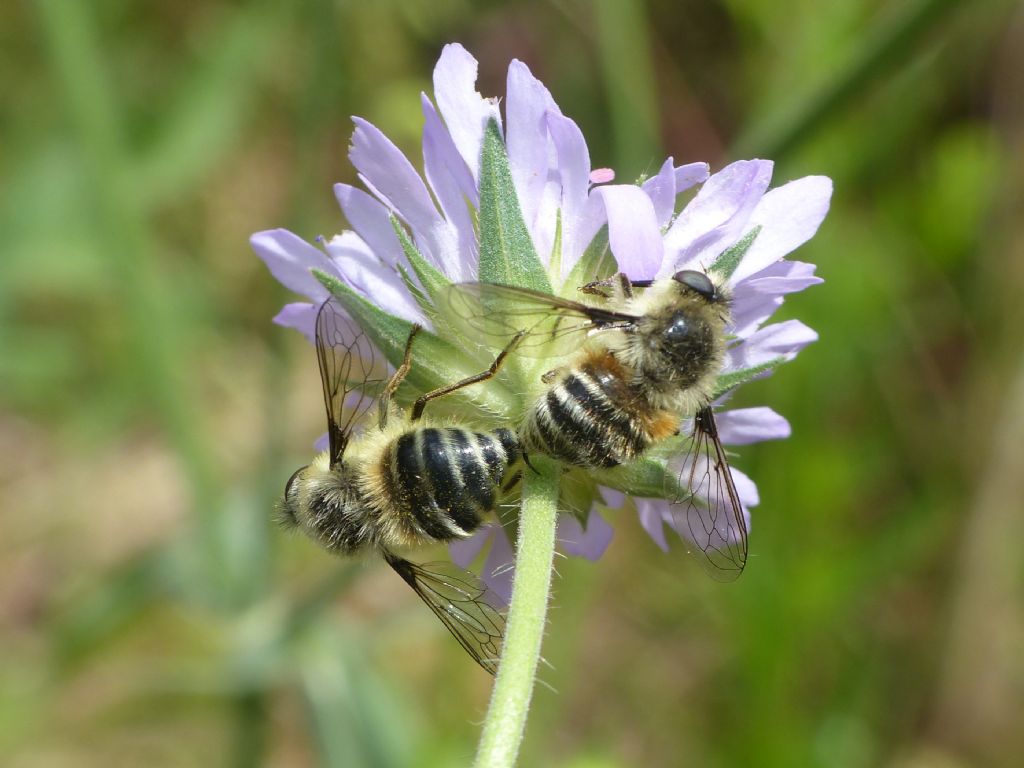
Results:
150 613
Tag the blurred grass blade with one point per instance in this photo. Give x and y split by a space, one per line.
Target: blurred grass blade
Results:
893 39
155 325
92 619
212 108
625 50
354 716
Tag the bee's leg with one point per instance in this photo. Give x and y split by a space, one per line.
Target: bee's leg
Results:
605 288
421 402
548 376
384 404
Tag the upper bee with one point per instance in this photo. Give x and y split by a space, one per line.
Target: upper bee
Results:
641 357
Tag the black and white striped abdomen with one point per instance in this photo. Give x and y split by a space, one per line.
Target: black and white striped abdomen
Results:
443 480
589 418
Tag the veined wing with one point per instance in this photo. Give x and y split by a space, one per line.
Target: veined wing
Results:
554 326
351 371
459 600
706 507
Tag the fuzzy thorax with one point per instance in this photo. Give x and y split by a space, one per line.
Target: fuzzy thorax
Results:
677 348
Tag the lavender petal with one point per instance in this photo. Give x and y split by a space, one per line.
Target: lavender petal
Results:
376 281
464 110
300 316
661 188
633 231
590 542
789 216
289 259
371 220
717 216
742 426
527 101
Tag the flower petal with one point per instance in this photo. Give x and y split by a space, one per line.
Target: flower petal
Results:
590 542
526 133
633 232
691 174
749 312
661 188
613 499
390 175
789 216
771 342
464 551
653 514
300 316
500 565
742 426
573 166
464 110
453 187
717 216
371 220
378 282
290 258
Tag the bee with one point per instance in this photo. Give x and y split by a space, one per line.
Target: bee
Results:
404 483
640 361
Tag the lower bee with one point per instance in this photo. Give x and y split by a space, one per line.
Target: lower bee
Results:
638 364
402 484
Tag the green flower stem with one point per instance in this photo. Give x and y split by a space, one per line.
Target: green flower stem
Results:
535 551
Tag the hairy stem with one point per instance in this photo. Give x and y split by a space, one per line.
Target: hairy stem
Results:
510 700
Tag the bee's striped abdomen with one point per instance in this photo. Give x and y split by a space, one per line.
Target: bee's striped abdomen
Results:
446 479
591 417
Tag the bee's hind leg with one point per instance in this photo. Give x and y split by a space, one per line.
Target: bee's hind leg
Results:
490 373
384 404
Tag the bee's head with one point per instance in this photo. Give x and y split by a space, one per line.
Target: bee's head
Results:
288 508
700 284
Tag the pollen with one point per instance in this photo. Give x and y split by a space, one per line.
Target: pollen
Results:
663 424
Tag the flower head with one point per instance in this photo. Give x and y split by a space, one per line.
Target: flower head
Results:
520 203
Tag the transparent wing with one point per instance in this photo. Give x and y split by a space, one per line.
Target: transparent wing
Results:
460 600
706 507
351 371
553 325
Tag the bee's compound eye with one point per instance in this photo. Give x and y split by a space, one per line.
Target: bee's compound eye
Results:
291 482
697 281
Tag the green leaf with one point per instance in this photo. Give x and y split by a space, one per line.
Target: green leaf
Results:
597 263
435 362
733 379
727 262
507 255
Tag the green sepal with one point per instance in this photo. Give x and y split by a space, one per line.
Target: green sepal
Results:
507 255
596 263
435 362
430 277
646 477
733 379
731 257
416 292
577 494
555 262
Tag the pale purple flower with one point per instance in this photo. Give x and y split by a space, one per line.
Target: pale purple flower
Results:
556 186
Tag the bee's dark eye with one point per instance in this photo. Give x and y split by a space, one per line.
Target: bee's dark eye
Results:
291 481
697 281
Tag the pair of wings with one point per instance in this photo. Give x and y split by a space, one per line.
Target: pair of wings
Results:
353 373
705 506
